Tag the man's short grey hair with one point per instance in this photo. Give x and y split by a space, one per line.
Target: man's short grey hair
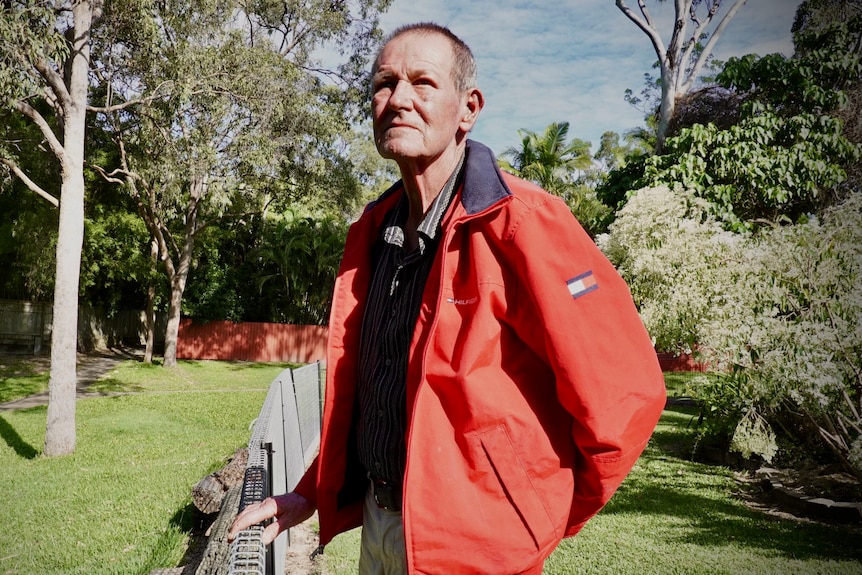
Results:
463 64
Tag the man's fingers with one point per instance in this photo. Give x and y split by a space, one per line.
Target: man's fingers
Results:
271 532
252 515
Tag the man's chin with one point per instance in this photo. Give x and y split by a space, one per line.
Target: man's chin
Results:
398 150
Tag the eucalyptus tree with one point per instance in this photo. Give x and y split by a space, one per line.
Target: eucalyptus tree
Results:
231 112
683 58
44 64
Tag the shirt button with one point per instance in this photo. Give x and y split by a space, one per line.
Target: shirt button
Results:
388 362
379 413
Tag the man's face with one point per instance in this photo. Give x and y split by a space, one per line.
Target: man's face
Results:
417 110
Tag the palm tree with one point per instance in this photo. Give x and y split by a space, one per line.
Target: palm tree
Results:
547 159
554 164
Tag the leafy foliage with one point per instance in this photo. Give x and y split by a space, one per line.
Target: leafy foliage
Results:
27 34
770 150
280 269
765 167
554 163
306 253
676 259
779 313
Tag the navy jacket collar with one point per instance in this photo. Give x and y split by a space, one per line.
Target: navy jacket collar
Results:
483 181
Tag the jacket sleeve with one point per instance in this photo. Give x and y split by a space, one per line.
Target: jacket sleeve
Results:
307 485
606 371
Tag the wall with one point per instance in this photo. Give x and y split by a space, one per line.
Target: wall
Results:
25 327
682 362
249 341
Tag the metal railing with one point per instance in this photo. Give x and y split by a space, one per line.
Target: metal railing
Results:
284 440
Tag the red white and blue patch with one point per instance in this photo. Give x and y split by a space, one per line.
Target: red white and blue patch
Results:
582 284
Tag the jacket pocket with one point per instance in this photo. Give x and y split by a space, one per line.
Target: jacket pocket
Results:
517 484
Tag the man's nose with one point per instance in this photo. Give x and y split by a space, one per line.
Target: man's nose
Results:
401 96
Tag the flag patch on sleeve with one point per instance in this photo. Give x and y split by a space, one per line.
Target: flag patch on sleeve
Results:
582 284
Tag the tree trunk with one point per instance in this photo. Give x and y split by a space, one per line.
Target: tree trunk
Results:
668 105
174 313
60 428
181 274
151 313
209 492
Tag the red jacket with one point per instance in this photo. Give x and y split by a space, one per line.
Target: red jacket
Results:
530 392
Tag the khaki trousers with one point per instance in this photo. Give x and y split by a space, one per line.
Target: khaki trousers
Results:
382 551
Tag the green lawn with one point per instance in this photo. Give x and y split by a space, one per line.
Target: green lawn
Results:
22 376
121 504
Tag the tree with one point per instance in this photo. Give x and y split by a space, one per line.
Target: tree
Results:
561 167
765 143
44 70
681 60
548 159
260 126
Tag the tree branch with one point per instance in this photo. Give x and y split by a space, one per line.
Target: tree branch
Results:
677 39
30 183
112 176
713 38
646 25
55 82
46 130
129 103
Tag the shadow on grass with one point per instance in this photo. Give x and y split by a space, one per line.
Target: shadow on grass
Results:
111 385
715 522
13 440
186 524
671 485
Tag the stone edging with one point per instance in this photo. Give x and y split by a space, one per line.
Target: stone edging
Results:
814 507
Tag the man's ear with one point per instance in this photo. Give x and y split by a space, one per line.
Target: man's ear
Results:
474 103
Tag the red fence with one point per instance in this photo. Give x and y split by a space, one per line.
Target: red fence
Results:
250 341
682 362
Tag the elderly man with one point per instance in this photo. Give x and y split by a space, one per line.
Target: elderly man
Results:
489 382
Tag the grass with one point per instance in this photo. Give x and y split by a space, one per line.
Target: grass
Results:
121 504
21 376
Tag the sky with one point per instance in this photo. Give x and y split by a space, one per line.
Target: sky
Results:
572 60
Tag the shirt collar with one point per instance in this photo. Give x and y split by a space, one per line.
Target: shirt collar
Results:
429 227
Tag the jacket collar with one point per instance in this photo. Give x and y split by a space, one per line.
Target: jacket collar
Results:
483 181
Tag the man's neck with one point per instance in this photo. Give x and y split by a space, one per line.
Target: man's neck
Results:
422 187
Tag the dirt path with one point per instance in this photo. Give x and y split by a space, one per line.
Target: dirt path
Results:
91 367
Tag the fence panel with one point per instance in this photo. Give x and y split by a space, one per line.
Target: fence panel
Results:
283 442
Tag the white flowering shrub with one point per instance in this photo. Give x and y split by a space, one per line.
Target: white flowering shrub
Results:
779 313
676 259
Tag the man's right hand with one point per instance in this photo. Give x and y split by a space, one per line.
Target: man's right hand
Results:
288 510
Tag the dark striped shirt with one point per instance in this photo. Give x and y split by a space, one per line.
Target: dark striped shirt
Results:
393 305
